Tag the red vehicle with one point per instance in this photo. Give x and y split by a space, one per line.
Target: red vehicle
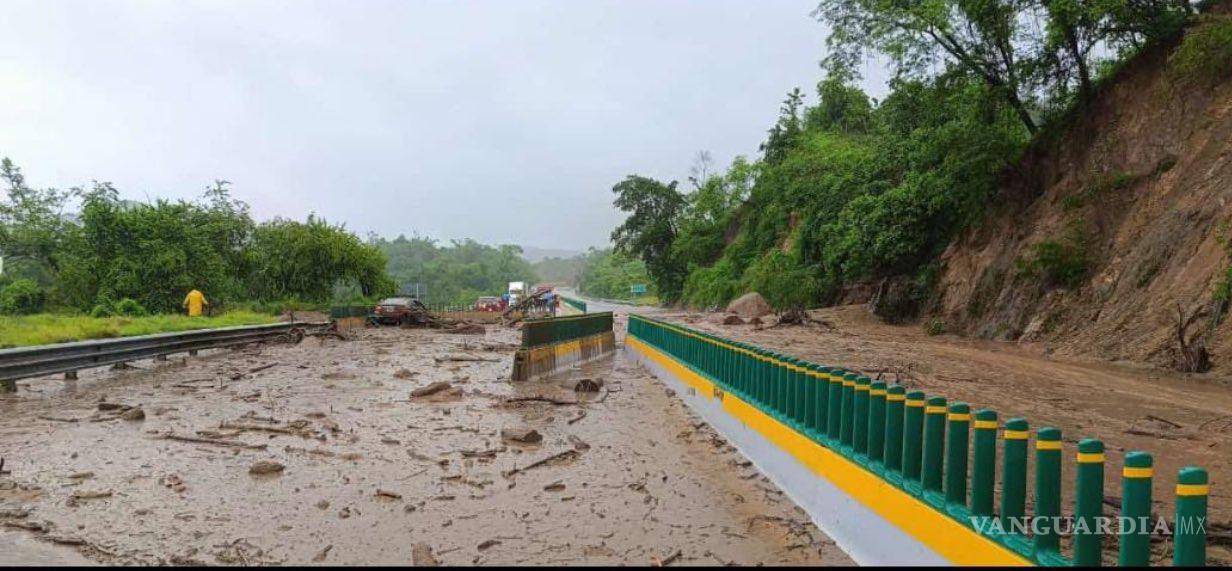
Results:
399 311
488 303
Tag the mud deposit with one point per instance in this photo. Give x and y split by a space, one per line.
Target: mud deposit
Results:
318 453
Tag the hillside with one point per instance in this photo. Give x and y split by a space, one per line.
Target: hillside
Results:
1097 236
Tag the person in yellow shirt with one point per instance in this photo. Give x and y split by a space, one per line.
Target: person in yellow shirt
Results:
194 302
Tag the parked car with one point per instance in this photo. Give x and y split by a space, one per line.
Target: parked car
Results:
399 311
488 303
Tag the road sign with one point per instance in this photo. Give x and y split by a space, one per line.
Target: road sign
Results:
637 289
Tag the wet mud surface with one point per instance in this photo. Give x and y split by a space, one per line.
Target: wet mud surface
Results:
318 453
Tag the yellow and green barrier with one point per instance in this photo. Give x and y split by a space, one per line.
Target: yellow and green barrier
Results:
553 342
936 454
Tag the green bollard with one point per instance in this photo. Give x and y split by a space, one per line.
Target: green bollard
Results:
913 435
859 426
1047 489
934 444
1189 527
956 442
1014 473
1135 521
983 462
783 377
791 391
834 405
876 420
821 397
765 381
1089 503
893 455
849 392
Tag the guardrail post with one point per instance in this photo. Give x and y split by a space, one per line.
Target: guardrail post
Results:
1135 523
983 462
893 455
913 435
821 397
764 378
956 443
794 403
934 443
876 420
834 405
1014 473
859 427
782 377
849 407
1089 503
1189 525
1047 489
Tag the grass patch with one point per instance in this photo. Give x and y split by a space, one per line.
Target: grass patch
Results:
44 328
1064 262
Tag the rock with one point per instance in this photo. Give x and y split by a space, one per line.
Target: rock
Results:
108 406
587 386
488 544
751 304
527 435
430 389
263 467
755 321
135 414
421 556
405 374
323 505
730 319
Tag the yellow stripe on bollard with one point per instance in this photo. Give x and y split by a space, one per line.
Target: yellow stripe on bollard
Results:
1193 489
1138 472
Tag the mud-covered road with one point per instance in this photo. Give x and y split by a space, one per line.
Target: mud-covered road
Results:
358 471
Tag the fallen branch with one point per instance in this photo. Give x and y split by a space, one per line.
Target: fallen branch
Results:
541 398
464 358
227 443
571 453
57 419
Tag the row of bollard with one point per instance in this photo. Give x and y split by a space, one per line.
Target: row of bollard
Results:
923 445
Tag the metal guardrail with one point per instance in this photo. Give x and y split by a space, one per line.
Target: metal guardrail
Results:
26 362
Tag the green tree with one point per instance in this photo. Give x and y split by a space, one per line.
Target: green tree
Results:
648 233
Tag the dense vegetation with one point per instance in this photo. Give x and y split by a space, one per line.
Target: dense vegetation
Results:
610 275
852 189
454 274
112 256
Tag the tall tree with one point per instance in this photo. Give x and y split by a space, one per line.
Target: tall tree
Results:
654 209
983 37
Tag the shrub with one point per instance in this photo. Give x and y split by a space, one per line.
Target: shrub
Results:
934 326
1058 263
129 307
22 297
102 310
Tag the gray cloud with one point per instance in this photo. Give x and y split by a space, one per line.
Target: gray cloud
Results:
505 121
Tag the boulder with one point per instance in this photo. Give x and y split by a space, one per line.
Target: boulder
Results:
749 305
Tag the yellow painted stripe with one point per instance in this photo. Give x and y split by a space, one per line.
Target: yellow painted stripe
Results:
915 403
985 424
949 538
1138 472
934 409
1193 489
1015 435
895 398
862 387
1090 457
849 383
877 392
958 416
1047 444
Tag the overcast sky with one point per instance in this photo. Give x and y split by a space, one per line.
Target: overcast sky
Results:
504 121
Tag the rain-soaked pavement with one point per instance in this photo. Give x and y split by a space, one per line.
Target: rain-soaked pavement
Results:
372 475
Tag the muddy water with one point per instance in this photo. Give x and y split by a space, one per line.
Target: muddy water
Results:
370 472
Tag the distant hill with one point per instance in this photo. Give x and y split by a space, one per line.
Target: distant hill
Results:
533 255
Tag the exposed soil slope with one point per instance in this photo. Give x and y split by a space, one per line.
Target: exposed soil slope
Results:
1139 186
